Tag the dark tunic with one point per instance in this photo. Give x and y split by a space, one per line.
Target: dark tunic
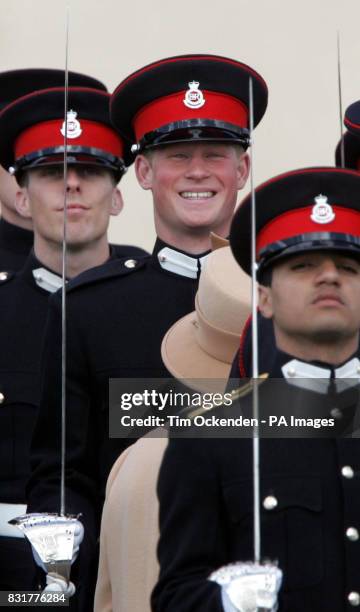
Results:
116 319
23 308
23 312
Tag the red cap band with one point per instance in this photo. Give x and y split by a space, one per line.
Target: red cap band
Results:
351 124
48 134
298 221
171 108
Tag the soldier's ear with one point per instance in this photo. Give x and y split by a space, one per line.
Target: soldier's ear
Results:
117 202
265 302
243 170
144 171
22 203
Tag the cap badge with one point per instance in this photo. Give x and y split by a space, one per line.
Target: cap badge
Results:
72 125
322 212
194 96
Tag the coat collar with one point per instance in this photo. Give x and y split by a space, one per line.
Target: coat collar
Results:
317 376
50 282
176 261
35 273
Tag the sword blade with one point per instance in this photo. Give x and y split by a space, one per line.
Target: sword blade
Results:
342 146
255 357
64 274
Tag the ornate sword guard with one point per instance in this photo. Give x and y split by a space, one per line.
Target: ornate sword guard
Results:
248 587
52 537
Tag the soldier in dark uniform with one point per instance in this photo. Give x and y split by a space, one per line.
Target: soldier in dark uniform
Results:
33 129
16 236
350 144
308 255
267 350
191 138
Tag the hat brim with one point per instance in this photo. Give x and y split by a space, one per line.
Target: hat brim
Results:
114 165
326 245
200 131
188 362
71 160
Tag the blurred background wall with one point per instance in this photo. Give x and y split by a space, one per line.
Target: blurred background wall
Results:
293 44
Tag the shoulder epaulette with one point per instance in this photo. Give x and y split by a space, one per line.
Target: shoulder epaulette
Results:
122 266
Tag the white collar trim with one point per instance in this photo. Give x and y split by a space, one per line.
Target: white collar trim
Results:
351 369
308 376
179 263
47 280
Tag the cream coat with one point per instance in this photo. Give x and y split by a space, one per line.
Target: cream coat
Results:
128 567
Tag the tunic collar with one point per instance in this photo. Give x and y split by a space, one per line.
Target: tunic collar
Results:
317 376
34 272
178 262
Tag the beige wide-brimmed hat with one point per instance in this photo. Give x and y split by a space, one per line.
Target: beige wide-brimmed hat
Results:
200 347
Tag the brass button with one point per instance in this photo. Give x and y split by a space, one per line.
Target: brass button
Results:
336 413
130 263
270 502
354 598
352 534
347 471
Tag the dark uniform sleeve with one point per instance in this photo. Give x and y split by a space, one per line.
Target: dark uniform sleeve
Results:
191 540
43 489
